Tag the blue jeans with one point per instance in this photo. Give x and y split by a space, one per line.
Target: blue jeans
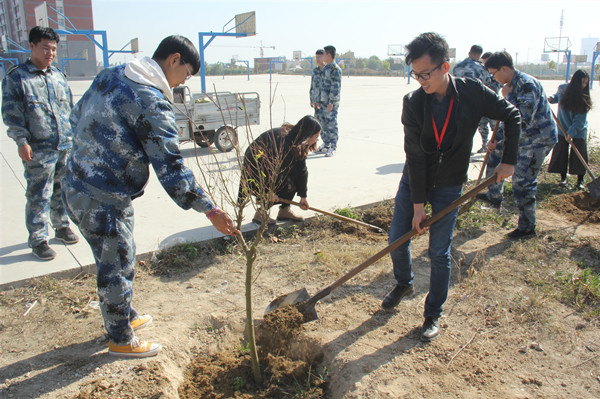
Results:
440 241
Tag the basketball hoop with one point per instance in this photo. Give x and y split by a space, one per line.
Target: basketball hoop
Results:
556 44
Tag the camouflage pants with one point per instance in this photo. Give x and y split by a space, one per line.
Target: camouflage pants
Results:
484 129
524 180
319 116
43 175
108 229
328 120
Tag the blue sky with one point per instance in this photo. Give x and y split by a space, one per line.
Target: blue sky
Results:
366 27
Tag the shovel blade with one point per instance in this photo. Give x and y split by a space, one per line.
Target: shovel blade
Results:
594 188
293 298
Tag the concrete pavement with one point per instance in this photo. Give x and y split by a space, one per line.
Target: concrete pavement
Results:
366 169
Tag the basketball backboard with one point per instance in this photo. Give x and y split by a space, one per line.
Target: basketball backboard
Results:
246 23
41 15
297 54
556 44
452 52
135 45
396 50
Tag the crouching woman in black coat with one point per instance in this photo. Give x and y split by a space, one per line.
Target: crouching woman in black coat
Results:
275 167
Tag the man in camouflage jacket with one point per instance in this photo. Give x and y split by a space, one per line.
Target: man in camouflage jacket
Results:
36 103
471 67
330 101
539 135
123 124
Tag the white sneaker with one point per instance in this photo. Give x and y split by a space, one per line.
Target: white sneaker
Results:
330 152
323 148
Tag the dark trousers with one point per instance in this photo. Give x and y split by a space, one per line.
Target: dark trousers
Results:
564 158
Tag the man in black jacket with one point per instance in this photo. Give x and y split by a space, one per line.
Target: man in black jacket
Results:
440 120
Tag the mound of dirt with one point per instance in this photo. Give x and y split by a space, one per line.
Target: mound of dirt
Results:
578 207
287 358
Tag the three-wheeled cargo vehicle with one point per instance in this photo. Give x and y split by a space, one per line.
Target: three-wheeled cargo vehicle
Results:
215 117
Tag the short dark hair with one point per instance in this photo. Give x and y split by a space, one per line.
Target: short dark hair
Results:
428 43
330 50
38 33
499 59
486 55
178 44
476 49
319 52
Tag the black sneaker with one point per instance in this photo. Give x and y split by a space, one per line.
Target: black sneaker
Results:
579 186
517 234
483 197
394 297
66 235
43 251
431 329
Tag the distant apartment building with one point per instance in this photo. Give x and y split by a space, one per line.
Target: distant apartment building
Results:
17 17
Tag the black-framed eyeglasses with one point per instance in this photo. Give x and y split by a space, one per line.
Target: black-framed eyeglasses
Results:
425 75
494 74
189 73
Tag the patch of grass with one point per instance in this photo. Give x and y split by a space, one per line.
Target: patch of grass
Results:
245 348
176 259
239 383
581 290
477 217
312 388
348 212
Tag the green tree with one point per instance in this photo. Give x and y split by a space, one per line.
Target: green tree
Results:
374 63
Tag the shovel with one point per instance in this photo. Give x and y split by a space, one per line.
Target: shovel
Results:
306 305
335 215
594 186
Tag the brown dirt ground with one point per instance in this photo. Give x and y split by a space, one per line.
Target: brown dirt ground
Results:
507 332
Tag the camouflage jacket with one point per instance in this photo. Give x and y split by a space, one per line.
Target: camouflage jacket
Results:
36 105
121 128
315 85
469 68
537 124
332 84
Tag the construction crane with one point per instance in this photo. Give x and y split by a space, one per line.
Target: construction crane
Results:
262 51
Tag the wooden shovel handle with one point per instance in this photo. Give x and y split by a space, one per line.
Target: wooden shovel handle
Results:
483 167
401 240
333 215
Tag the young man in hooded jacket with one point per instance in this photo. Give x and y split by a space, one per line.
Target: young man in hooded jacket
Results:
123 124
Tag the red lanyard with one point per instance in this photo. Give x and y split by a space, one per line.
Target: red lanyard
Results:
439 138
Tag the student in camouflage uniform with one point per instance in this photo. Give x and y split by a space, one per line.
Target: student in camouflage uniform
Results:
330 101
539 135
123 124
36 103
471 67
316 82
495 86
440 120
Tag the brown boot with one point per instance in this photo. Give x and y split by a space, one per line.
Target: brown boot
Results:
286 213
258 218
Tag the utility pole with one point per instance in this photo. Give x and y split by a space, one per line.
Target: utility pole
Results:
562 19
